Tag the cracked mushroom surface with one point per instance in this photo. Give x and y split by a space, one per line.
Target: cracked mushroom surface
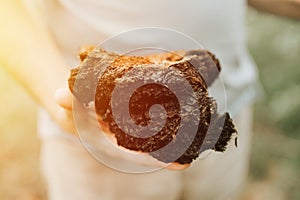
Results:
101 72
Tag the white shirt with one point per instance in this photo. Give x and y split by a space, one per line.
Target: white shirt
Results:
216 24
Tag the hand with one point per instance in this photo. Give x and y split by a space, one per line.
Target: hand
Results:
65 119
64 115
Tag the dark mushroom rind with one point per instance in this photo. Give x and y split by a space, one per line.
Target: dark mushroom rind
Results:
99 73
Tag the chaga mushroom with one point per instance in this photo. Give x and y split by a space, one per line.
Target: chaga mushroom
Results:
101 73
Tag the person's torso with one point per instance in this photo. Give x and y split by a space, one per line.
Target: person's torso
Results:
217 25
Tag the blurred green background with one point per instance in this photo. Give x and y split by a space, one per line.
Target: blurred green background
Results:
274 43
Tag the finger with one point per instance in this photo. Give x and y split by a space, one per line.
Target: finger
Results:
65 120
177 166
63 98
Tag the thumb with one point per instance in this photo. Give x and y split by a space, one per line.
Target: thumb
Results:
63 98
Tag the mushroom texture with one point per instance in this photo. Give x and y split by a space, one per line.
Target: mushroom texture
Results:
181 128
